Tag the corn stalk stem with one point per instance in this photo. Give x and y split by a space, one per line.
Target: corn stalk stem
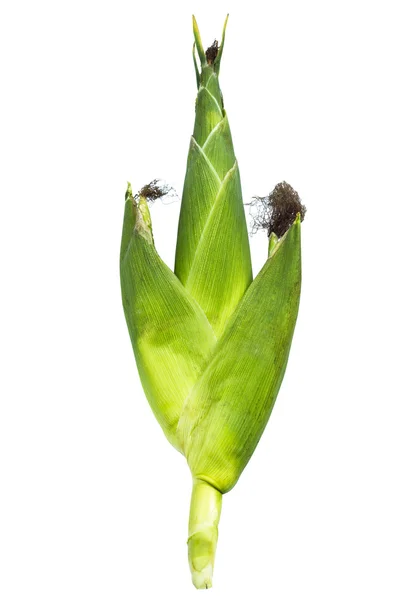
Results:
205 510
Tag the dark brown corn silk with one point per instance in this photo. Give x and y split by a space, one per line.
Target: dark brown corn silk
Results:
276 212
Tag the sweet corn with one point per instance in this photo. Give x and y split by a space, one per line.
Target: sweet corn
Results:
211 345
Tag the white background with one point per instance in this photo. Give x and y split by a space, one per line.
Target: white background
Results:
94 502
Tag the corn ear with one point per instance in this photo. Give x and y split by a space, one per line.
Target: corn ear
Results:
211 345
212 254
163 320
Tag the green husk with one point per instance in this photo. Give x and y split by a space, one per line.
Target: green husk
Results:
163 321
228 408
212 254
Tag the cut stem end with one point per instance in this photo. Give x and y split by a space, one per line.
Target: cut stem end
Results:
205 510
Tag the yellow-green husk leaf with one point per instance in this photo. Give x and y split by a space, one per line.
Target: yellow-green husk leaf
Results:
229 406
170 334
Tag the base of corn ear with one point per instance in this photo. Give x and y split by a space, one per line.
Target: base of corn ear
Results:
211 345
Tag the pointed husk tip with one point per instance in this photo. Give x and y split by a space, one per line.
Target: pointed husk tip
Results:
213 54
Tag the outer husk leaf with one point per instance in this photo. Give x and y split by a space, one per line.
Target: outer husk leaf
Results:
229 407
171 337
